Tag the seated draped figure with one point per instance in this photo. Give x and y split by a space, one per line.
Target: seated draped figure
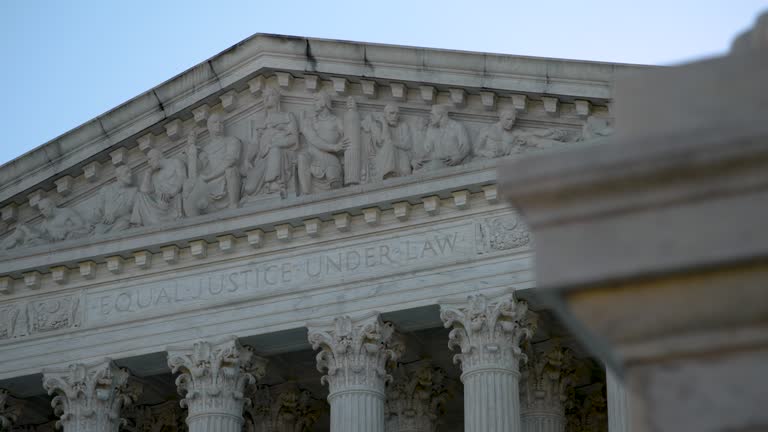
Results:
159 197
446 142
115 203
268 161
390 142
500 139
59 223
213 176
318 163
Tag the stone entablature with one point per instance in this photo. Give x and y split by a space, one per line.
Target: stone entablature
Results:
386 266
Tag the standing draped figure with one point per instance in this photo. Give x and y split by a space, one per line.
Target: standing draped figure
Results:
269 160
319 165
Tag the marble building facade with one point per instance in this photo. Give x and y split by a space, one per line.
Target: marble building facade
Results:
298 235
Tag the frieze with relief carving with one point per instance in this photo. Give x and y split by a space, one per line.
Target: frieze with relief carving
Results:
39 316
500 233
282 151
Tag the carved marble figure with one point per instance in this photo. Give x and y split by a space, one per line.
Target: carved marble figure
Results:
390 144
269 160
59 223
595 127
319 165
446 142
159 196
500 139
213 173
116 203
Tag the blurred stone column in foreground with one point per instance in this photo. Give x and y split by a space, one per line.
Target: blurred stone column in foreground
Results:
652 244
618 417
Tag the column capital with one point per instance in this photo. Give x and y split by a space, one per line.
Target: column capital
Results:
589 411
89 396
354 352
213 375
10 410
546 378
283 408
416 397
150 418
488 331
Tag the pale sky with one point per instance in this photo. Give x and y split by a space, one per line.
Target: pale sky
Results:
66 62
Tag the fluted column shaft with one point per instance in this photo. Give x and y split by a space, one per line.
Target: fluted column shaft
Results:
491 401
213 377
355 354
489 333
357 410
618 414
543 422
88 398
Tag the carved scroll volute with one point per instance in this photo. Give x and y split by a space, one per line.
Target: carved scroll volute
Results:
355 352
89 397
488 333
213 376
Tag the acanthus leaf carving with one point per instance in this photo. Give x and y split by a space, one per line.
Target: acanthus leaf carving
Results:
283 408
416 397
488 332
164 417
546 379
213 376
355 353
89 397
587 411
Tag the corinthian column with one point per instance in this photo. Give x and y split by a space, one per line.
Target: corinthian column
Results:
489 333
354 353
88 397
213 380
546 378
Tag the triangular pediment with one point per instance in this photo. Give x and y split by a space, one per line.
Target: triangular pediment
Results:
269 158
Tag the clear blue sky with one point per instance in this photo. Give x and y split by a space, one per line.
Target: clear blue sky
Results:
67 61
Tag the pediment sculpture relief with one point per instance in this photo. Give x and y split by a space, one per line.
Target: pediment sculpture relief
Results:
287 155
